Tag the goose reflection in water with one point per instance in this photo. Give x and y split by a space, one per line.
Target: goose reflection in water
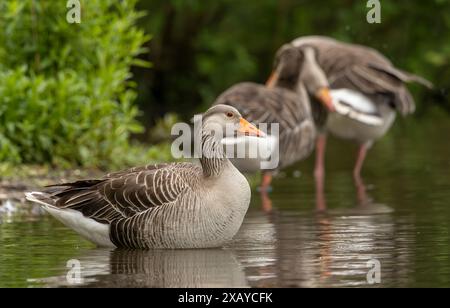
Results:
364 201
156 268
255 246
281 249
333 250
323 250
333 247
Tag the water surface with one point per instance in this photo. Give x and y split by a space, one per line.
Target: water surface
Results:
403 222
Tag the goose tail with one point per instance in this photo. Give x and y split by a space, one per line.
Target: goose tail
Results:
419 79
41 198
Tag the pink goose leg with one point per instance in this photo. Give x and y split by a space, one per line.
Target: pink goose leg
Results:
264 189
360 187
266 180
319 172
362 153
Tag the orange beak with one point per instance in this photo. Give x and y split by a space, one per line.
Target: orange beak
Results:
249 129
323 95
270 83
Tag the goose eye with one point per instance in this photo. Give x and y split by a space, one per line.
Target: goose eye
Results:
229 114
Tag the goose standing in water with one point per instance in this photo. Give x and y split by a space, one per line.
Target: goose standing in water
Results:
359 89
290 110
178 205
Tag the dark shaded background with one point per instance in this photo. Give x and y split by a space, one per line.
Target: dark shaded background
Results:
199 48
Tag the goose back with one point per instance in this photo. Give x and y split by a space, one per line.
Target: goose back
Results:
363 69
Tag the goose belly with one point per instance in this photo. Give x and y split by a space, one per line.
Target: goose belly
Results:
250 154
347 128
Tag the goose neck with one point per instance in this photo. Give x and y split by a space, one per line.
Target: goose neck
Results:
213 158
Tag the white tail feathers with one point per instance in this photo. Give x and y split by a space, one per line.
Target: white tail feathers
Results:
40 198
90 229
357 107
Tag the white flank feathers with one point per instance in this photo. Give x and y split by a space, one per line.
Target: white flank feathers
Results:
90 229
357 106
249 153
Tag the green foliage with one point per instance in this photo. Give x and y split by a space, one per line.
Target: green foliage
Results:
202 47
65 90
162 129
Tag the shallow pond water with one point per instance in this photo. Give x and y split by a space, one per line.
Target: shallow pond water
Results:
402 222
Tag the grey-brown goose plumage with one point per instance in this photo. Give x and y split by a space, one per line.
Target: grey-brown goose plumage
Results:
359 68
177 205
357 79
289 109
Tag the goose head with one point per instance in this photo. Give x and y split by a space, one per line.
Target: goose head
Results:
288 63
297 65
219 122
223 121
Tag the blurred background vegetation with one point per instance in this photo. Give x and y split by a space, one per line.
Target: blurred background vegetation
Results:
202 47
74 94
66 93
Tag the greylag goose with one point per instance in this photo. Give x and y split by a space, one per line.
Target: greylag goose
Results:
360 90
177 205
291 111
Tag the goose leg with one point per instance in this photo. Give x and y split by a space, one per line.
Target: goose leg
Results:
361 192
264 189
266 180
319 172
362 153
266 202
359 183
321 144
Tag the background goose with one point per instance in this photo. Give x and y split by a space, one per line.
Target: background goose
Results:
179 205
366 88
291 111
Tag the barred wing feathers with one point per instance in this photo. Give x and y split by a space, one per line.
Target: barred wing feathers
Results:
125 193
